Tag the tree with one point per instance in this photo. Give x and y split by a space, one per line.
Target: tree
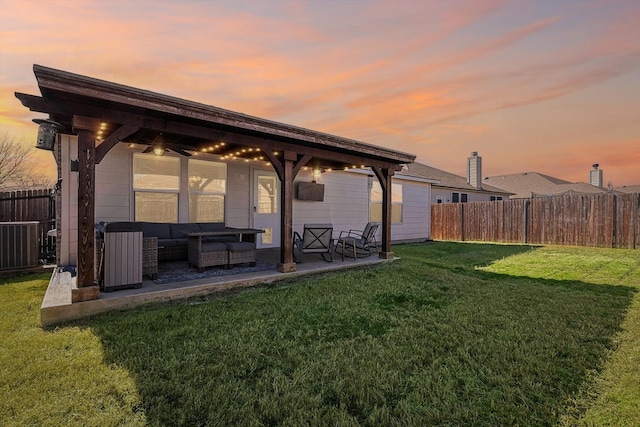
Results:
18 168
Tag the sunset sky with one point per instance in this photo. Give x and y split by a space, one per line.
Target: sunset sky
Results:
532 85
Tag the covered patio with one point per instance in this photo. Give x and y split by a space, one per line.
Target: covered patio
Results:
104 115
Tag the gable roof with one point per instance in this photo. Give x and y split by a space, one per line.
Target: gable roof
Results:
534 184
446 179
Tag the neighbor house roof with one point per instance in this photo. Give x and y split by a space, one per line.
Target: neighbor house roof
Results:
446 179
628 189
534 184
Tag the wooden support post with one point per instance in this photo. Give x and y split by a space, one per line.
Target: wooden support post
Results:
287 264
384 177
85 288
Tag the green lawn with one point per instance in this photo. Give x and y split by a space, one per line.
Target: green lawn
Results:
451 334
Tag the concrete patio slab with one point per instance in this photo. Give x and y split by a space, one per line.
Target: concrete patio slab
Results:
57 307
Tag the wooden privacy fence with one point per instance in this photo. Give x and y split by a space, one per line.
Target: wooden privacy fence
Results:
32 205
601 220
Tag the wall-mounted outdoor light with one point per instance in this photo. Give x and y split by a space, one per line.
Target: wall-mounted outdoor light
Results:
47 133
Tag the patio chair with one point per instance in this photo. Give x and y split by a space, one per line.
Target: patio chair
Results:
358 243
315 239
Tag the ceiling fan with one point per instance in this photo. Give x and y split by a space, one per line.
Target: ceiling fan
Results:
160 145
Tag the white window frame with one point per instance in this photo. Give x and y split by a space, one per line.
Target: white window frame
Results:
175 190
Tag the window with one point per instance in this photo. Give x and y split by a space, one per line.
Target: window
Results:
494 198
459 197
158 181
439 199
207 190
156 186
375 203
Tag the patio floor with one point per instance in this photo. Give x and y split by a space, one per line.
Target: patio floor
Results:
57 308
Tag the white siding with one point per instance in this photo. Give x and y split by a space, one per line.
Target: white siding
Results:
346 202
472 196
238 199
113 186
416 212
346 206
69 200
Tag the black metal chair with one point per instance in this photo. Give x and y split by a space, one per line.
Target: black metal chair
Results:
358 243
315 239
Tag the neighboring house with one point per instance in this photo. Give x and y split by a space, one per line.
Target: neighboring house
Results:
534 184
450 188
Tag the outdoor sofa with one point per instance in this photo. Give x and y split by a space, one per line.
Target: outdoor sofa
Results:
173 243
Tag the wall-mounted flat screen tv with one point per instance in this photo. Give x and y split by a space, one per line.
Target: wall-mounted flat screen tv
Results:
310 191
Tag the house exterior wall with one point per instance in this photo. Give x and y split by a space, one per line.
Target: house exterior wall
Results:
472 196
416 212
68 232
345 205
239 198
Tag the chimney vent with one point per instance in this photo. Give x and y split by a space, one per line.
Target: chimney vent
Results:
474 170
595 176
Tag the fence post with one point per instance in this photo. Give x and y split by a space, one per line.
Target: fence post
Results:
527 220
614 221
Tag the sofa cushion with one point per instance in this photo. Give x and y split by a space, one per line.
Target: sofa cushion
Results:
165 243
156 229
211 226
240 246
178 230
213 247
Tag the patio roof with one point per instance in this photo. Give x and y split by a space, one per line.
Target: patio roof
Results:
128 114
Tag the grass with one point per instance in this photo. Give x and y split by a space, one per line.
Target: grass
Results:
452 334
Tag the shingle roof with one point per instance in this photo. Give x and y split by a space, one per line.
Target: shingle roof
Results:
446 179
628 189
526 184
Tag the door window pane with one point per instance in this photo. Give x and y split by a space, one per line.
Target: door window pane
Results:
267 195
267 236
